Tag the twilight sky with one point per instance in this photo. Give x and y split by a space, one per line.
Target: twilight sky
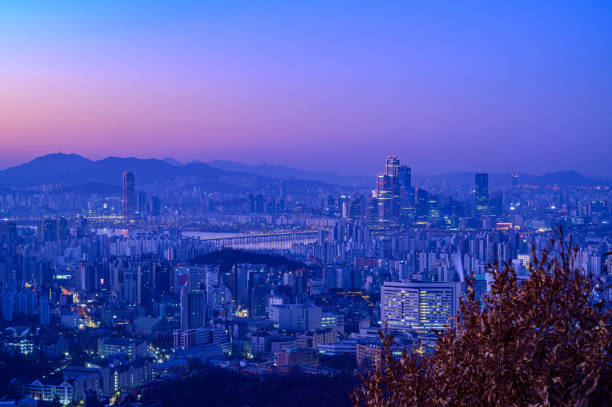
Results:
329 85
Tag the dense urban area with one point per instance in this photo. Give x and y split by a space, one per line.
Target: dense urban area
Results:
154 283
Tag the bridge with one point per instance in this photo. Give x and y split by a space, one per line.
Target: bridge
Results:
265 241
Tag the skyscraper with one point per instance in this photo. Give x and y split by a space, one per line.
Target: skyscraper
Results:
421 306
142 203
406 195
129 195
422 205
193 308
482 194
405 178
393 172
384 199
258 296
391 190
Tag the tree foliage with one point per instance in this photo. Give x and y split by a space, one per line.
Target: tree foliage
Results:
542 341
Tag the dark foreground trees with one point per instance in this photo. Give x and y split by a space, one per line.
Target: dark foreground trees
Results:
216 387
544 341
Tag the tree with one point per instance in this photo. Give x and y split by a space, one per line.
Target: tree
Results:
543 341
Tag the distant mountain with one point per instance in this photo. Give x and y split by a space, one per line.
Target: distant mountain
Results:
275 171
74 171
172 161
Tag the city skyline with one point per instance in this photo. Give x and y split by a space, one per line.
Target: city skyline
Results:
444 86
322 171
330 204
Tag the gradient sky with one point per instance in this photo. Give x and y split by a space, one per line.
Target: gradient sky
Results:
491 85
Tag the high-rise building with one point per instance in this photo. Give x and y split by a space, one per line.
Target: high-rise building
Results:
393 172
421 306
296 317
241 284
259 293
482 194
434 207
384 199
129 195
142 203
392 193
422 205
372 210
193 308
405 178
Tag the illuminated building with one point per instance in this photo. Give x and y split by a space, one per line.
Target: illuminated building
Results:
482 194
259 293
189 338
422 205
193 308
312 339
419 306
332 320
129 195
368 353
384 198
406 195
132 348
391 188
296 317
393 172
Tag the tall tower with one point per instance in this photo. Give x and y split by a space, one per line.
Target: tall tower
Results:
388 192
184 296
482 194
193 308
405 177
384 198
406 193
129 195
393 172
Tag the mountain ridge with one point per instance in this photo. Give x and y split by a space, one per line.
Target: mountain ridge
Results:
70 170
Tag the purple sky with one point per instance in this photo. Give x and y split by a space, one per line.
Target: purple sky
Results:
319 85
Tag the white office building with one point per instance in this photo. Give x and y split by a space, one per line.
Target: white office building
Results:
421 306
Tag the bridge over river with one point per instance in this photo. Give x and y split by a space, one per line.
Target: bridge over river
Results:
263 241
